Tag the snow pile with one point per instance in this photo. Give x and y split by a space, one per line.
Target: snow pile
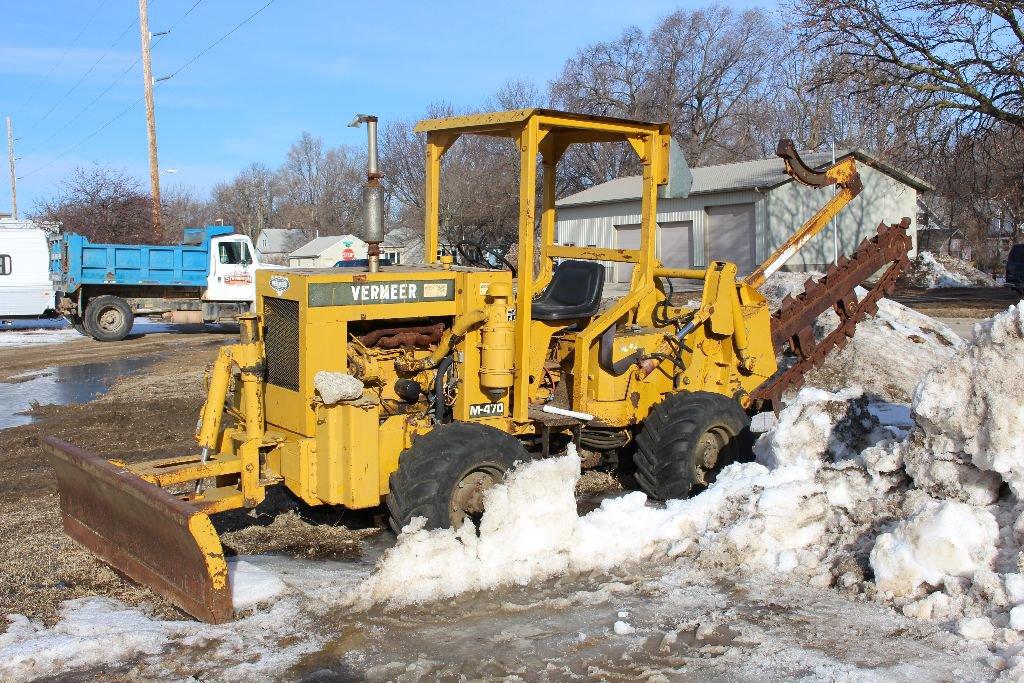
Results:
14 338
972 406
920 343
912 517
95 631
931 271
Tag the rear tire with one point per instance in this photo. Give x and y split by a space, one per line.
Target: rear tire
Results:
686 439
427 481
108 318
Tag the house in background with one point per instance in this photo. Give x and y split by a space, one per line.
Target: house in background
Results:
324 252
936 234
274 244
739 212
402 246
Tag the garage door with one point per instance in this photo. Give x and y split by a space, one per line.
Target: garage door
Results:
675 242
675 246
626 237
731 235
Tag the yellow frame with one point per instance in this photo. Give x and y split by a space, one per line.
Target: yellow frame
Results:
548 133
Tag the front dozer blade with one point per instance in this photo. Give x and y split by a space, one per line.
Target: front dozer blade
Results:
142 531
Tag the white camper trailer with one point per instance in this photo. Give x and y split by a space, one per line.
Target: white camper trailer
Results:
25 287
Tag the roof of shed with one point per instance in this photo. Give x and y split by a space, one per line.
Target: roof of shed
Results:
282 240
741 175
319 245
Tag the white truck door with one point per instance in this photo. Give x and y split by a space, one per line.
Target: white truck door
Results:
25 286
233 266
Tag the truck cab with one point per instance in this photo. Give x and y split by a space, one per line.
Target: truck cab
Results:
232 273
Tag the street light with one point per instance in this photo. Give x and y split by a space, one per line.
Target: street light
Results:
169 170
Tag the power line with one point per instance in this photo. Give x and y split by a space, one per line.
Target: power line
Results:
111 86
139 100
177 21
84 76
84 140
60 61
216 42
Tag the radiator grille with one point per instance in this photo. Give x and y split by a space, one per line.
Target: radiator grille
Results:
281 341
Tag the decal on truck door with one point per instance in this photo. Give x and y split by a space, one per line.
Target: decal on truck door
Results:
239 278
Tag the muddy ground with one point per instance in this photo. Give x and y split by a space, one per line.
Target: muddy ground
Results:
148 414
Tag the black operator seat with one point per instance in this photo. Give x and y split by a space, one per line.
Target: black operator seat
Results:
574 292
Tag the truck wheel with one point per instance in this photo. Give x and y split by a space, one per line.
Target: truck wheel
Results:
108 318
444 474
686 439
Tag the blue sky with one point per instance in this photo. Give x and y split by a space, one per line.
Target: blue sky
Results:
299 65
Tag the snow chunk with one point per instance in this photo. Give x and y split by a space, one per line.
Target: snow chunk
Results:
978 628
1017 618
623 628
940 539
251 585
819 427
337 386
970 408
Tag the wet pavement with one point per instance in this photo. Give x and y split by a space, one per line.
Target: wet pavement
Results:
61 386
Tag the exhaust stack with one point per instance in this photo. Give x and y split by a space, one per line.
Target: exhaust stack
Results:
373 194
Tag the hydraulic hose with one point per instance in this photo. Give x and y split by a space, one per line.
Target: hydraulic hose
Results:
439 407
605 354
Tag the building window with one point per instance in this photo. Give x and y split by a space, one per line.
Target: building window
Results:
5 264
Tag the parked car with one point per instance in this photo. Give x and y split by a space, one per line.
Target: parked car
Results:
1015 268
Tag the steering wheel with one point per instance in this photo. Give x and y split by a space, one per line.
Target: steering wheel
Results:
472 253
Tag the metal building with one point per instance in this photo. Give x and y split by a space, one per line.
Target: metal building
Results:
739 212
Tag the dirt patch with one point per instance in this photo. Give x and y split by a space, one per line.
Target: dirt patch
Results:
144 416
957 302
290 534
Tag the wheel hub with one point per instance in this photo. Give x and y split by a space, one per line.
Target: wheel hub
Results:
110 319
468 495
709 450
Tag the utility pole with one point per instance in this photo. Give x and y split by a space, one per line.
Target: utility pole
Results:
147 77
14 177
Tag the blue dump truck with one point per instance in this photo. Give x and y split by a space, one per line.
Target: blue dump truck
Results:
101 288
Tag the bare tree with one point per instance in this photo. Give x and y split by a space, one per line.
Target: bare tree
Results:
709 69
710 73
322 187
249 201
183 209
964 59
103 203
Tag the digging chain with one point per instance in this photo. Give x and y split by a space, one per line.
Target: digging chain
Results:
793 323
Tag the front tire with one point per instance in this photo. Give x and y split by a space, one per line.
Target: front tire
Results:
444 474
686 439
108 318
